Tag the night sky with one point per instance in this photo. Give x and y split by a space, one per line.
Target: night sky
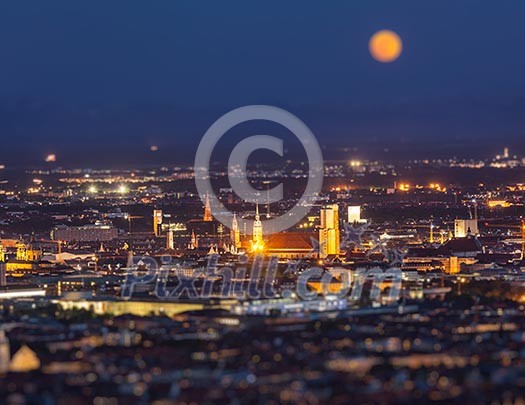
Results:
101 81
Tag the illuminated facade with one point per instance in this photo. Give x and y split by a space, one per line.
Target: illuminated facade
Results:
257 234
169 240
3 274
26 261
85 233
207 210
329 231
235 234
465 227
5 352
157 221
354 214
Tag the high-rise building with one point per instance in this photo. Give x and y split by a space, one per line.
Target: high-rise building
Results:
329 231
465 227
169 239
157 221
207 209
354 214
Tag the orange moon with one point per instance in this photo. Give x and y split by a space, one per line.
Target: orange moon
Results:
385 46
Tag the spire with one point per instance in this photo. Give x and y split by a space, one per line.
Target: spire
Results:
207 209
268 203
235 224
194 244
235 235
257 234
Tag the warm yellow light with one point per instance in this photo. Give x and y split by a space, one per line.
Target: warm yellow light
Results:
92 189
257 247
122 189
404 187
385 46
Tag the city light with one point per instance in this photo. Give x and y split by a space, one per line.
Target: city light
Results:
168 234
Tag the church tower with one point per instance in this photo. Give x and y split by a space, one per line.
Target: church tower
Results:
257 234
235 235
207 209
194 244
169 239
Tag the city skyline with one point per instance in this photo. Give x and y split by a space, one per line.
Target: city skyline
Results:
207 202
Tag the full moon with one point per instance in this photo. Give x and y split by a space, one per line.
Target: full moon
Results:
385 46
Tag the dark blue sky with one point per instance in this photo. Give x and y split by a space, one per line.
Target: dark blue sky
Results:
109 78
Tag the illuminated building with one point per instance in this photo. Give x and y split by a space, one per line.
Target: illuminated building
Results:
290 245
194 243
85 233
24 252
329 231
354 214
205 225
448 264
235 234
169 240
449 257
142 308
465 227
3 270
288 306
26 260
506 161
24 360
11 293
257 233
207 210
5 352
157 221
498 204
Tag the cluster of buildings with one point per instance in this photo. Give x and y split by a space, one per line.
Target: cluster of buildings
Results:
68 333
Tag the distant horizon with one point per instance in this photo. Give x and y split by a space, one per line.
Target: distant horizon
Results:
162 74
137 156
